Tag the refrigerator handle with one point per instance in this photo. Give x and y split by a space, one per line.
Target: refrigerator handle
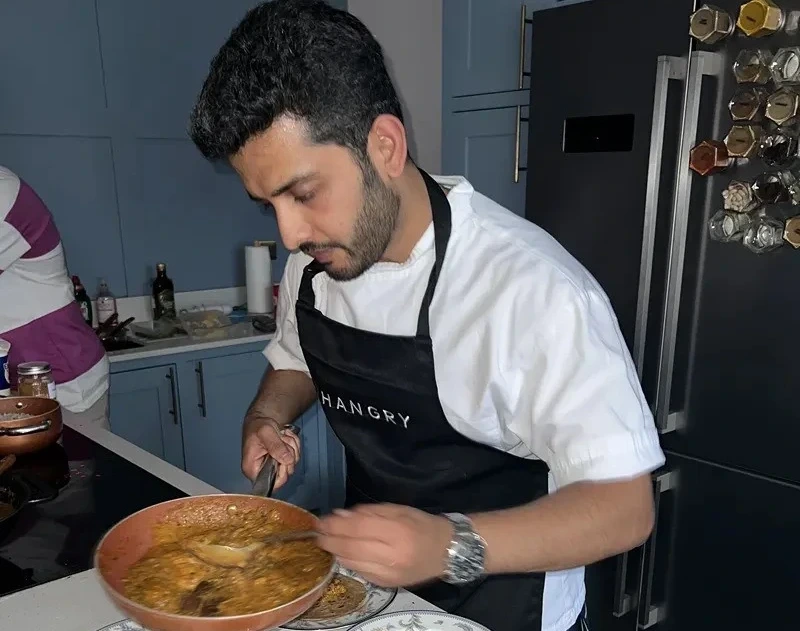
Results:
668 69
650 614
624 601
701 64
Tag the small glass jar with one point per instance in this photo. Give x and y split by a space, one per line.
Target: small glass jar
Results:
35 379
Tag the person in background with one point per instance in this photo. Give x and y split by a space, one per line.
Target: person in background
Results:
38 312
496 436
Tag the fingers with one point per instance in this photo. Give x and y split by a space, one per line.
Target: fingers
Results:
358 550
265 439
358 525
292 440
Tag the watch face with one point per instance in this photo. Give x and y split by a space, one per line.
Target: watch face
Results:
467 552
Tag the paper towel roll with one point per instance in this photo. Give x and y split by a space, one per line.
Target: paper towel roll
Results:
258 277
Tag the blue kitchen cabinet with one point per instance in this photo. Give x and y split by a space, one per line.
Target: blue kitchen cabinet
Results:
212 391
144 410
489 147
215 395
482 45
486 44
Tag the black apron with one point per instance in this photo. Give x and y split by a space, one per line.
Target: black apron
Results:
380 396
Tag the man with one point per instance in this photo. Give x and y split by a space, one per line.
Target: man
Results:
39 315
467 363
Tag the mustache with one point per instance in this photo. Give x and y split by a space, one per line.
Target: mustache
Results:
310 248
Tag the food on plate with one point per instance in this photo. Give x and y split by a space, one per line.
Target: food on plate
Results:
343 596
6 510
171 579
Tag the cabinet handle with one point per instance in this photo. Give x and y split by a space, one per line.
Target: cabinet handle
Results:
649 614
174 410
202 385
517 144
524 20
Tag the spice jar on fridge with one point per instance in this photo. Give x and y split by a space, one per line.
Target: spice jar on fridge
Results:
35 379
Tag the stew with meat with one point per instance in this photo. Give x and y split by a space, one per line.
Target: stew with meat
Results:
171 579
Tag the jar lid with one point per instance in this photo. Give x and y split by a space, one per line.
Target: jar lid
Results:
33 368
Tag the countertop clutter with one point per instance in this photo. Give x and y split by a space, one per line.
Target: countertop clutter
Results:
76 602
239 333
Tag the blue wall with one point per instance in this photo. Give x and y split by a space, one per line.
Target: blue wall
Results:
94 102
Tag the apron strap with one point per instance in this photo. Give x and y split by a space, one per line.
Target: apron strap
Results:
440 211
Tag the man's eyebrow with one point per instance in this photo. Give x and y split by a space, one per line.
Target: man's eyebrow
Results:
287 186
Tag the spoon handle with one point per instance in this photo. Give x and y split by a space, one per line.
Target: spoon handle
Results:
265 480
293 535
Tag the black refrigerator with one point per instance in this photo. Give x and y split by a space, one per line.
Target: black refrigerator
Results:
663 155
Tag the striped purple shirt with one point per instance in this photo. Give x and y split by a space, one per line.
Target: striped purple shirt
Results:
38 312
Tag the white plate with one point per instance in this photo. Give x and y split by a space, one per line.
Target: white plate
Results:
378 599
123 625
419 621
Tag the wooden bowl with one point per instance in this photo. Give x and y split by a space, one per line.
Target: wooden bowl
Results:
130 539
41 429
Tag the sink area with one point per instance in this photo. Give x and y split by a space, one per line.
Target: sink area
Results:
120 345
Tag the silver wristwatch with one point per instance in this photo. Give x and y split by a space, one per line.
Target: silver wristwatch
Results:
466 553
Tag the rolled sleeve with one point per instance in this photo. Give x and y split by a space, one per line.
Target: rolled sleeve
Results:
283 351
579 405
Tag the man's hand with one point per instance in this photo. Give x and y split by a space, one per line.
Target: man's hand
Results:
390 545
262 437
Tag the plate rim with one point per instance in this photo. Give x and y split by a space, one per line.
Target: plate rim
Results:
426 612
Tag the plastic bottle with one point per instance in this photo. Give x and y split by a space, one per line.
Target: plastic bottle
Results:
106 303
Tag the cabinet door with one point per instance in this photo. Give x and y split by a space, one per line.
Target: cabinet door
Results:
487 146
215 394
143 409
481 46
485 41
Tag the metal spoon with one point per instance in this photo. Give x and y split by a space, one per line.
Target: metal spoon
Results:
230 556
265 480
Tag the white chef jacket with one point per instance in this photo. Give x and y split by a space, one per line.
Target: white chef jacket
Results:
528 354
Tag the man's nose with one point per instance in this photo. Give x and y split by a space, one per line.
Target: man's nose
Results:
294 228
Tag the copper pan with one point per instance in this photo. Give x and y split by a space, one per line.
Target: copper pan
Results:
130 539
23 436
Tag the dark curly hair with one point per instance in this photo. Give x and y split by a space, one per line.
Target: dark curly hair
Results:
301 58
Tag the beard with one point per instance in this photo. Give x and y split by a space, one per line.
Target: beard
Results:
372 230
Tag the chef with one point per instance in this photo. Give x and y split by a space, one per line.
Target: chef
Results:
496 436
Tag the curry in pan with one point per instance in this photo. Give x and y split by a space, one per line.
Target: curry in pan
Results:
171 579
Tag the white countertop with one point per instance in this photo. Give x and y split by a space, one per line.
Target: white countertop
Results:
240 333
78 603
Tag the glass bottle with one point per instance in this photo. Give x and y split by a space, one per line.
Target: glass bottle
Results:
35 379
765 234
163 294
727 225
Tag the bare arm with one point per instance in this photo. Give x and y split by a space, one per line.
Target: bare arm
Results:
282 396
577 525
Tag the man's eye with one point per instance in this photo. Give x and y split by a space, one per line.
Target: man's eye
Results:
304 199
